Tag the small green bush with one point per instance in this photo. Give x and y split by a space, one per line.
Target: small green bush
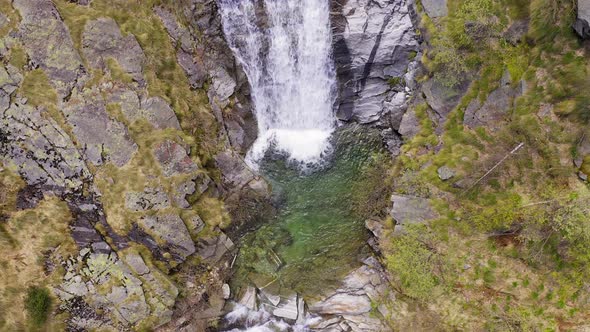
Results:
38 305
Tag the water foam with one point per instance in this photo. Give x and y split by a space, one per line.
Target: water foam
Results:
284 47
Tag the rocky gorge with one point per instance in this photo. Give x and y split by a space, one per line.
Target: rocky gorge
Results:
126 194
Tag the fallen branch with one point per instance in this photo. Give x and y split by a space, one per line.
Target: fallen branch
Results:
520 145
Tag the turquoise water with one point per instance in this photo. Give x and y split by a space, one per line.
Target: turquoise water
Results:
318 235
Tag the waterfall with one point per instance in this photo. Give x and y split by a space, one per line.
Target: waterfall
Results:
284 47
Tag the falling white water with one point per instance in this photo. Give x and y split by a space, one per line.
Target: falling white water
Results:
284 47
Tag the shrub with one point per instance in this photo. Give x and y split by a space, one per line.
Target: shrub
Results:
38 304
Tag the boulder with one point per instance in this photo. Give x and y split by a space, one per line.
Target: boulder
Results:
157 111
435 8
103 139
287 309
172 231
410 125
445 173
516 31
443 99
410 209
48 44
102 40
211 249
173 159
249 298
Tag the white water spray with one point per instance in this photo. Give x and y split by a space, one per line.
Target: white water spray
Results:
284 47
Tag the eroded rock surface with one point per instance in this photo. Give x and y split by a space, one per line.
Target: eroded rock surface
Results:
373 42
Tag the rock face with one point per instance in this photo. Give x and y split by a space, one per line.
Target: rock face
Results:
103 139
173 159
42 152
373 43
493 111
581 26
102 40
172 232
48 43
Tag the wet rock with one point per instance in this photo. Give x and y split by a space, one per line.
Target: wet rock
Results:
40 150
174 159
172 231
149 199
48 44
287 309
236 174
226 291
581 26
103 139
409 209
340 304
102 40
445 173
241 128
249 298
435 8
372 42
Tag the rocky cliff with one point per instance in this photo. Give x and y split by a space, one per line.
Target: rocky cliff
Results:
134 116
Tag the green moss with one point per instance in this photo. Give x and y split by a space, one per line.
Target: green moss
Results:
117 73
38 305
18 57
37 89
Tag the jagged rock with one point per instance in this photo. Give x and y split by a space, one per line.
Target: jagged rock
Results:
48 43
103 139
149 199
102 40
159 113
174 159
582 150
42 152
249 298
182 190
581 26
435 8
171 230
185 44
10 78
241 128
445 173
343 304
410 125
287 309
236 174
223 86
195 224
516 32
372 43
493 111
213 248
409 209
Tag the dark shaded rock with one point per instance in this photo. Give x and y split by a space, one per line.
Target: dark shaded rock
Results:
435 8
173 159
241 128
102 39
103 139
581 26
28 197
443 99
48 43
517 31
214 248
172 230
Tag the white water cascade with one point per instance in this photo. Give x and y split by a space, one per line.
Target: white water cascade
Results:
284 47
